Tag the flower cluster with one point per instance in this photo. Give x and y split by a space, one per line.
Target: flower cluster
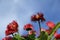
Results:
51 25
45 34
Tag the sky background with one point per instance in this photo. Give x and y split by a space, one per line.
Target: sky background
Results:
21 11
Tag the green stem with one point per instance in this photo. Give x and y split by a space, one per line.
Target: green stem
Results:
39 26
53 31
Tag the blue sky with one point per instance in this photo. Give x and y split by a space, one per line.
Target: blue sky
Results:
21 11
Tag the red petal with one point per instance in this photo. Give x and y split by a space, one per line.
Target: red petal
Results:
50 24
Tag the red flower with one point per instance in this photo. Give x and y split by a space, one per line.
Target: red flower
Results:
8 32
37 17
12 26
28 27
7 38
57 36
50 24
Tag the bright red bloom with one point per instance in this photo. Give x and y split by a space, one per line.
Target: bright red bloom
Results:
37 17
57 36
12 26
8 32
50 24
7 38
28 27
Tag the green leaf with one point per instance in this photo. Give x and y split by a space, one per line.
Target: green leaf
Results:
36 39
54 39
18 37
43 36
31 37
14 38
